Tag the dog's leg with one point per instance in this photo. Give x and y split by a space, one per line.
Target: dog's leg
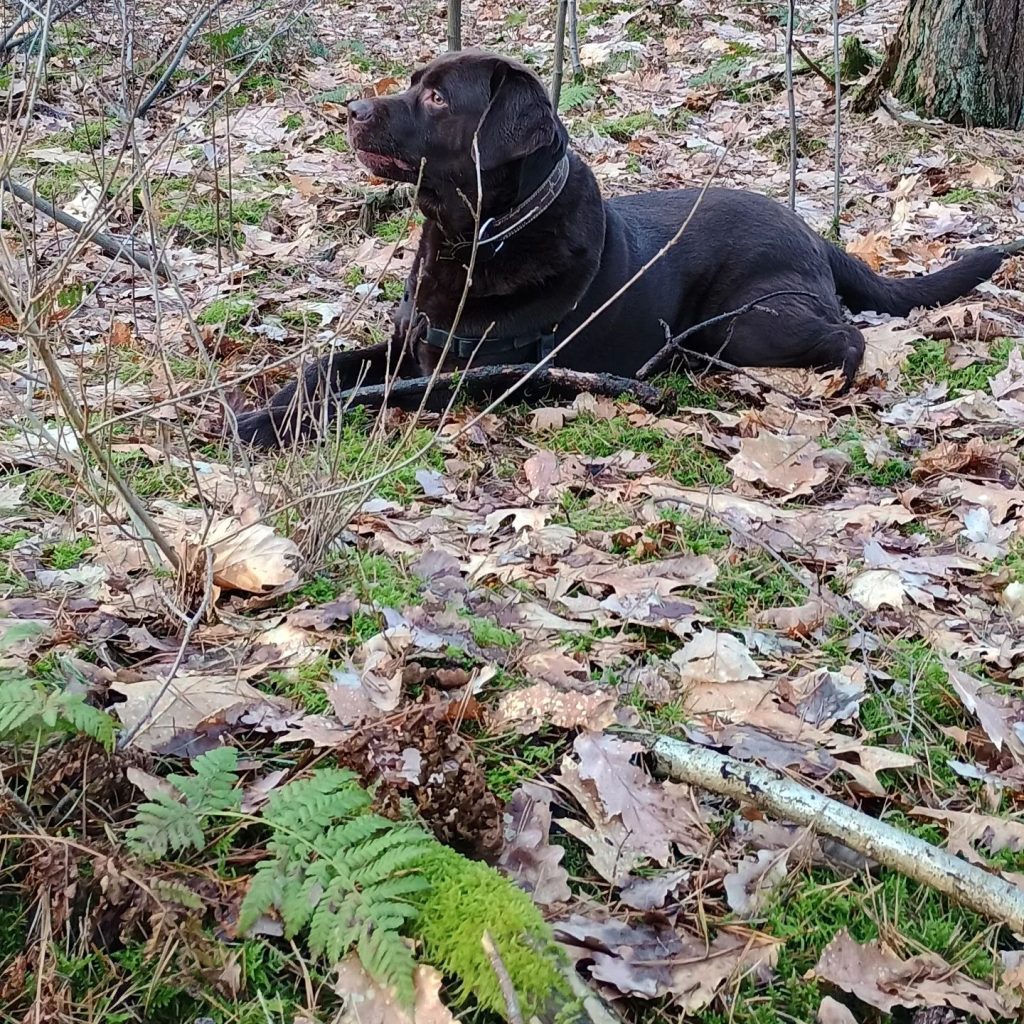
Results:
803 332
302 408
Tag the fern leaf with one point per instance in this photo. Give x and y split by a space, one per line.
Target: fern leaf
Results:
389 961
212 789
576 94
164 824
20 702
304 809
88 720
398 887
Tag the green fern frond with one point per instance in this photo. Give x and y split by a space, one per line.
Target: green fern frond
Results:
212 789
84 718
164 824
388 960
20 702
30 707
576 94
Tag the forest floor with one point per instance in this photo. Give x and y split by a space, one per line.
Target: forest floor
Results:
465 611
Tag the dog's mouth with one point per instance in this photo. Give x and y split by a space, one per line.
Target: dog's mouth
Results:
383 165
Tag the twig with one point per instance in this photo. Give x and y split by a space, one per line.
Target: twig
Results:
29 39
186 41
113 247
437 392
559 56
814 66
787 799
837 164
508 990
791 102
673 345
454 25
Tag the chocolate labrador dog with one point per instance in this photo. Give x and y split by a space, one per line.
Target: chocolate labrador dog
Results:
478 134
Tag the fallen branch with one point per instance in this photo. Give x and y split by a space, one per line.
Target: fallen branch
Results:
788 800
12 41
513 1014
673 346
546 382
113 247
186 41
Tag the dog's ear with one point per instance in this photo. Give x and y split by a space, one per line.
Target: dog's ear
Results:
519 118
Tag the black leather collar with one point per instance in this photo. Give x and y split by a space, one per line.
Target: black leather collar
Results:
495 231
515 348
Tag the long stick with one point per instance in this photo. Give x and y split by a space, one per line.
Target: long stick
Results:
968 885
116 248
574 38
838 163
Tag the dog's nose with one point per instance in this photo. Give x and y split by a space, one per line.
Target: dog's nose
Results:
360 110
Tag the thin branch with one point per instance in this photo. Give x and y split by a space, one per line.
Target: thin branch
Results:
514 1014
113 247
814 66
967 885
143 521
10 43
791 102
186 41
838 162
673 345
558 60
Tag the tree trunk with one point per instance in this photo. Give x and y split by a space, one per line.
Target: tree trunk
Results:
958 60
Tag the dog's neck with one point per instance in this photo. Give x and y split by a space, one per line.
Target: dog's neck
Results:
513 196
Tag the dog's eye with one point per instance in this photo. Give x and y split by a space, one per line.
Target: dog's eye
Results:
433 98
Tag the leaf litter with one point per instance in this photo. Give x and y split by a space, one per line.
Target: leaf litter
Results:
833 587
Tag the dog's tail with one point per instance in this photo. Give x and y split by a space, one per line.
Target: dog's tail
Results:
861 288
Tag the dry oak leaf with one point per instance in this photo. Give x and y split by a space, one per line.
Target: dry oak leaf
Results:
534 707
186 714
881 979
782 462
749 887
874 588
796 621
965 828
655 960
712 657
831 1011
1001 716
251 558
366 1002
529 856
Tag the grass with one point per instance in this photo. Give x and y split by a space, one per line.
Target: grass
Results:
928 364
90 136
207 223
584 516
151 480
683 459
508 762
775 144
746 586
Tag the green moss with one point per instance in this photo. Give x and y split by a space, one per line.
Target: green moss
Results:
68 553
685 460
230 311
928 364
747 586
468 898
90 135
12 539
584 516
303 684
623 129
209 223
775 143
394 228
489 634
336 141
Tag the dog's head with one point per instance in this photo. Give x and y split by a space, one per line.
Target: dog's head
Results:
451 101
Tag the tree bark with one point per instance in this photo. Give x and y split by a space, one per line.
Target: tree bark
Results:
958 60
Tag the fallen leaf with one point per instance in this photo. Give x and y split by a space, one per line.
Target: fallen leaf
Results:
833 1012
366 1002
782 462
529 856
714 657
651 961
186 715
534 707
252 558
881 979
876 587
749 887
